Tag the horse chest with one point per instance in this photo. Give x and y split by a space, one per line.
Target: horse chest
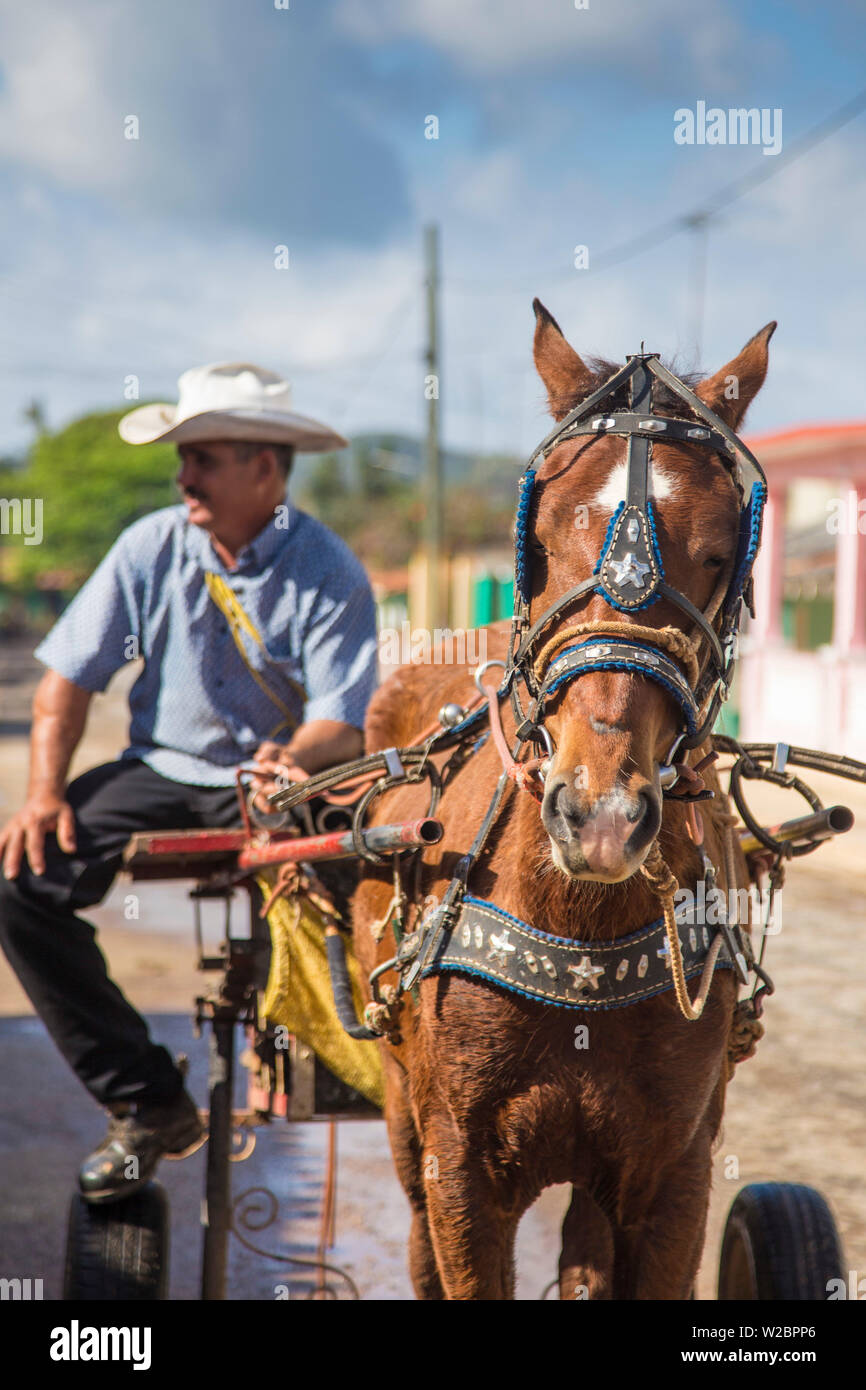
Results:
569 1089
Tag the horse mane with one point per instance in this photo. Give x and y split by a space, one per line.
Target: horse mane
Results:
602 370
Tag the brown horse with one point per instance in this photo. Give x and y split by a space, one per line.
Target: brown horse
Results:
490 1096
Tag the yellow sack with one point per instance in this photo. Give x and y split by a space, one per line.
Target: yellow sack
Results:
299 994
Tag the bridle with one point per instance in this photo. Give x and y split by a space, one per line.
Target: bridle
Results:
629 574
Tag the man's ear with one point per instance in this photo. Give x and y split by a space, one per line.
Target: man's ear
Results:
733 388
564 374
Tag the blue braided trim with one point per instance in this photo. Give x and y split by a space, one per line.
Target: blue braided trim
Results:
564 940
651 516
754 512
437 969
521 569
607 535
474 718
615 664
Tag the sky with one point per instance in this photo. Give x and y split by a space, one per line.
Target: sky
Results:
304 127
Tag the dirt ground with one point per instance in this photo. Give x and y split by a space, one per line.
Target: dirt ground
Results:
795 1112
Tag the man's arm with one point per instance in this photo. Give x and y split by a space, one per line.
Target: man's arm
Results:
59 716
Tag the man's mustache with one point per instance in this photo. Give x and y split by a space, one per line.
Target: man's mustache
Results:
193 493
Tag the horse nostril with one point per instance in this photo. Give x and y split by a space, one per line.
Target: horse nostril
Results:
649 819
565 807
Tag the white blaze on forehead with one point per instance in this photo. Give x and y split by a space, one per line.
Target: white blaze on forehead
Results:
660 486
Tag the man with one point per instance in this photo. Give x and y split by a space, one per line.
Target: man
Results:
257 629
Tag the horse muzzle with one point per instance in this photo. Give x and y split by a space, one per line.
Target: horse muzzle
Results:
604 839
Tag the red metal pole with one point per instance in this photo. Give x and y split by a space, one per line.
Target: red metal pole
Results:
340 844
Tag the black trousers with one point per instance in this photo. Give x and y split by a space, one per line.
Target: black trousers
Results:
54 952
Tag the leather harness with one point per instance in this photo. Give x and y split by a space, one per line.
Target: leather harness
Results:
467 935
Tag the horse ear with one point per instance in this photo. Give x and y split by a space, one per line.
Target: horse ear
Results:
564 374
731 391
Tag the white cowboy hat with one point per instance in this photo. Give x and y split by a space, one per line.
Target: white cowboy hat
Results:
229 400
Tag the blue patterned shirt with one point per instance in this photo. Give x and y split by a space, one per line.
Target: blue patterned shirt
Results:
196 711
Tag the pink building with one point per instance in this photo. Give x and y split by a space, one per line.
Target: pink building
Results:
812 698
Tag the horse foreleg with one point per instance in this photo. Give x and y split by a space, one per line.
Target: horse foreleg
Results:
586 1261
406 1151
661 1258
472 1235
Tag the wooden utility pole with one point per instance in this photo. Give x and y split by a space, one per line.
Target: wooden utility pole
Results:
434 527
698 225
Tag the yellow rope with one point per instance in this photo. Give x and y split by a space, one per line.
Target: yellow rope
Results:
229 605
664 884
745 1029
672 639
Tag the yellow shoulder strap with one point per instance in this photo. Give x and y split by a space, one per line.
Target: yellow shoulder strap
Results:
229 605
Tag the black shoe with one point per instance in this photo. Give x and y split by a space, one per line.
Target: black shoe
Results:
133 1146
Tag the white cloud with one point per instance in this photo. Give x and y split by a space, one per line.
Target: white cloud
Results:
58 112
94 293
489 36
92 302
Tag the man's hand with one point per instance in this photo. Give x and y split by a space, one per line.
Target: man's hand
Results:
273 761
59 715
26 832
321 743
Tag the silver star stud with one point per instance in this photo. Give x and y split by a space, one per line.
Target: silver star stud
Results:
500 948
629 571
664 953
585 974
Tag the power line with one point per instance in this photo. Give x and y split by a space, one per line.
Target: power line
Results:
698 216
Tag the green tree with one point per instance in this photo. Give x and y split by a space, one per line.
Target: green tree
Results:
91 485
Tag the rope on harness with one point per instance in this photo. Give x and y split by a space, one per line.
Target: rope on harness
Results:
745 1033
663 883
672 639
746 1028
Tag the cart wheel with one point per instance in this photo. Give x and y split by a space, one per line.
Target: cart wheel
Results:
118 1251
780 1242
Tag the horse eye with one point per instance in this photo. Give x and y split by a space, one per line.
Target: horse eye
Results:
714 562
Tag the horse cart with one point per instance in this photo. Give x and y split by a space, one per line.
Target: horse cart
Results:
486 1078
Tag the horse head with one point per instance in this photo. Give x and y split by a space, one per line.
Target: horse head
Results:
614 730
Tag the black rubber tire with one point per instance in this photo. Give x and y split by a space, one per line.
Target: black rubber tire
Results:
118 1251
780 1242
